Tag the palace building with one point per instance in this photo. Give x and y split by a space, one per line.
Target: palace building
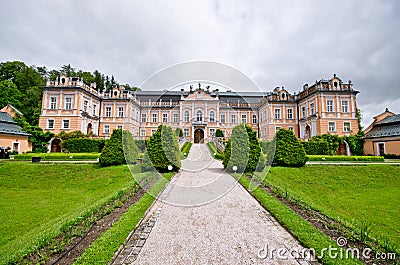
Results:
327 106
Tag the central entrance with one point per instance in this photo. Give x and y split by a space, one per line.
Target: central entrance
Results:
198 136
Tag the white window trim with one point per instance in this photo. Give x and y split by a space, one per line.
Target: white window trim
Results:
70 103
119 111
19 146
349 126
154 115
104 129
212 116
175 118
186 116
347 106
165 116
143 117
47 124
106 111
69 124
327 106
334 126
51 103
377 148
291 114
277 111
245 117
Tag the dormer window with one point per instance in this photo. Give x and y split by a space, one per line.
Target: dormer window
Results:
283 96
335 84
63 80
115 93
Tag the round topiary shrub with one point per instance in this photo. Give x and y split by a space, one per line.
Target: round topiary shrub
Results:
219 133
289 151
163 149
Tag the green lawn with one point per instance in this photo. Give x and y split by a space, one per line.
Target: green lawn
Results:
358 195
37 199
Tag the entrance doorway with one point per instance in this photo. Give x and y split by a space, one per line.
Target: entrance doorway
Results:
308 132
381 147
55 146
89 128
198 136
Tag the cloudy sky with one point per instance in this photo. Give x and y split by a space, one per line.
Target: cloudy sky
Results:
275 43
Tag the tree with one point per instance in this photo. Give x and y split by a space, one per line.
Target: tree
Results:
179 132
9 93
256 159
219 133
289 151
163 149
38 138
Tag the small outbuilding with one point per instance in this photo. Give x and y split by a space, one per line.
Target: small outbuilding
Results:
12 138
382 137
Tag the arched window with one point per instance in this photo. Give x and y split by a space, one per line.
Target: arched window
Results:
186 116
199 115
212 116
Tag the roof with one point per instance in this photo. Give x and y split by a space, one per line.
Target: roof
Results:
9 126
388 127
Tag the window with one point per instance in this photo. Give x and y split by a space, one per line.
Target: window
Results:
68 103
345 106
346 126
85 105
303 112
331 127
261 117
106 129
222 118
212 116
50 124
142 132
186 132
265 115
254 119
277 128
244 118
199 116
53 103
312 108
291 128
233 118
153 131
289 114
119 127
154 117
212 132
65 124
121 112
329 105
144 117
108 111
277 113
165 117
186 116
94 109
175 117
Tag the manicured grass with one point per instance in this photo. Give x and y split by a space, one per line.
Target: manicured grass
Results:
103 249
357 196
185 149
309 236
36 200
214 150
341 158
58 156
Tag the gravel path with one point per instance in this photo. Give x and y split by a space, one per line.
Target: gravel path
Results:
205 217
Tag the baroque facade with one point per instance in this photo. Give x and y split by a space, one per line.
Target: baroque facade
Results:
327 106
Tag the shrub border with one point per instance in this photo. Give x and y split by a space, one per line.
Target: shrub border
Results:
103 248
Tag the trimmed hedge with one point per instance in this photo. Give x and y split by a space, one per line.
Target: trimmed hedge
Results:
163 149
83 145
58 156
141 144
119 149
214 150
339 158
243 151
186 148
316 147
289 151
